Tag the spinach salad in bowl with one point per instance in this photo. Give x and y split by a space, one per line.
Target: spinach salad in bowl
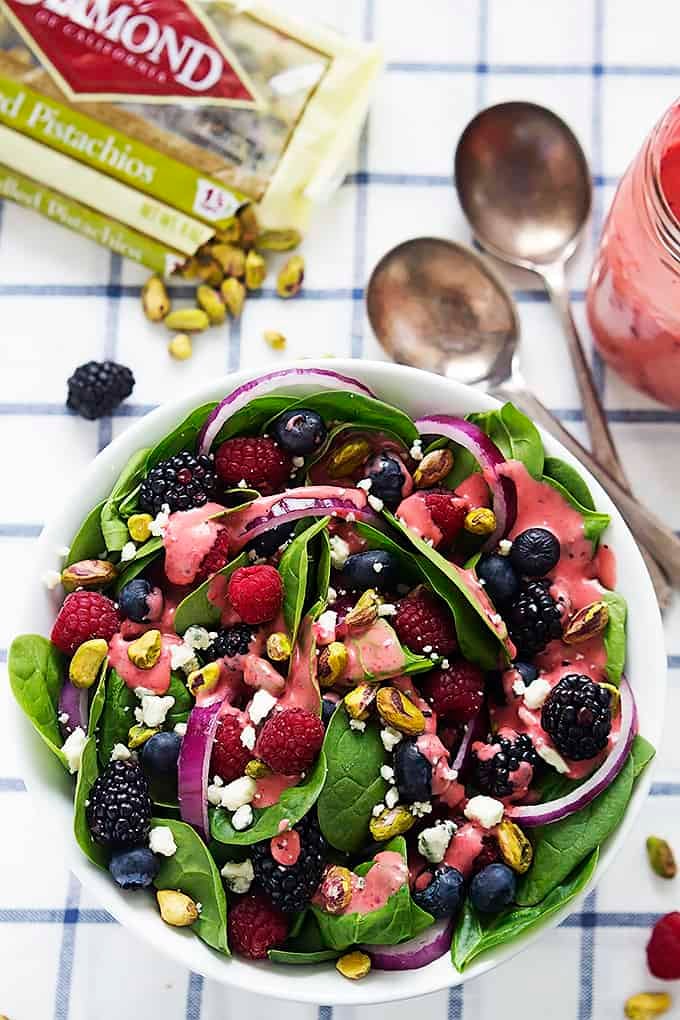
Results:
340 687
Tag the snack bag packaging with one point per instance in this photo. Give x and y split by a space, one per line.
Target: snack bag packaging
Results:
147 125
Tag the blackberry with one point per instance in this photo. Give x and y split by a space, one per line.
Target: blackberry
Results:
533 619
230 641
97 387
291 887
182 482
119 809
577 715
492 776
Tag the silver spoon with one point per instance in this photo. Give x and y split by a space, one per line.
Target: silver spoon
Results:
439 306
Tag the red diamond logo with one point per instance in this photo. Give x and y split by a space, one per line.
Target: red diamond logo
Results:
153 50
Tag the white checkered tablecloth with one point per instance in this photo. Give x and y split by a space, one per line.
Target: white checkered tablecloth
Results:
610 67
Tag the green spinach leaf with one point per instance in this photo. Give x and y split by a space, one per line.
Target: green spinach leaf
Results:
294 572
361 411
256 414
642 753
193 871
88 542
36 673
323 570
117 716
515 435
305 946
196 608
87 773
183 437
570 479
143 558
98 701
615 636
594 522
179 713
113 526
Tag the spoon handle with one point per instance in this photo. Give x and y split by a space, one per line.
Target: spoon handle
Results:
647 528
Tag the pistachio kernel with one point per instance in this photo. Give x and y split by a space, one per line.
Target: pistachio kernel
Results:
348 458
187 320
480 521
250 228
291 277
276 341
364 613
515 848
278 647
234 294
661 857
231 259
586 623
88 574
391 822
138 735
647 1005
278 240
139 526
176 908
209 270
229 232
155 300
180 347
354 965
84 667
210 300
188 269
433 468
145 651
332 663
256 270
359 701
399 711
257 769
204 679
335 889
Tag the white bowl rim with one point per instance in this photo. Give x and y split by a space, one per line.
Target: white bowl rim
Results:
320 984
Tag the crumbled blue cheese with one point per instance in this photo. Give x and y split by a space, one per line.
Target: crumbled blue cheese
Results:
377 810
551 757
154 709
63 718
72 748
128 552
434 842
214 795
420 808
357 724
339 551
181 729
536 693
519 687
197 637
160 522
183 657
162 841
365 484
242 818
238 875
390 738
120 753
51 579
261 705
332 595
486 811
238 793
248 737
392 797
387 772
376 503
387 609
416 450
504 547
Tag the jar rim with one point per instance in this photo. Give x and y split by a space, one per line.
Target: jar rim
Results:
664 220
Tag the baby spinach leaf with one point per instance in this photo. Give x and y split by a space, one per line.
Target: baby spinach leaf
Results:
361 411
570 479
183 437
304 946
341 435
293 804
88 542
87 773
562 846
353 785
615 636
113 526
476 933
294 573
98 701
36 673
192 871
515 435
323 569
143 558
594 522
196 608
642 753
179 713
415 663
117 716
256 414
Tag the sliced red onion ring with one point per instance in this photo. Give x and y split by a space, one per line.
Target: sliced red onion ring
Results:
239 397
488 456
543 814
417 952
473 732
194 765
73 702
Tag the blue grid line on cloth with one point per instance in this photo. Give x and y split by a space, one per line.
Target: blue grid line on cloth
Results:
597 142
194 996
363 178
111 336
455 1003
587 959
67 952
361 211
549 70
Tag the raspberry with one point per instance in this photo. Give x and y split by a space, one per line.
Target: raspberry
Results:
229 756
217 558
290 740
256 459
97 388
118 808
84 615
424 622
255 926
663 948
256 593
457 693
447 512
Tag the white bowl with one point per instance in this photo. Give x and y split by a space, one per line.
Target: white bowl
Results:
418 393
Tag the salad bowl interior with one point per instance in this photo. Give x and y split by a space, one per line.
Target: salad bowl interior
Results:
419 394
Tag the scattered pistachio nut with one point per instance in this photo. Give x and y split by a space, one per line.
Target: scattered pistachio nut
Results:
250 228
234 294
229 232
256 270
399 712
278 240
348 458
661 857
364 614
138 735
360 701
231 259
209 270
291 277
335 889
278 647
257 769
391 822
647 1005
515 848
276 341
176 908
586 623
188 269
480 521
433 468
332 663
139 526
88 574
155 300
354 965
84 667
210 300
189 320
145 651
180 347
204 679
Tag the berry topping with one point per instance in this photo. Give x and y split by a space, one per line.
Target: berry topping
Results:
159 755
663 948
300 431
134 869
272 540
328 707
290 740
535 552
374 568
527 671
291 887
119 809
231 641
257 460
533 619
387 475
456 694
182 482
229 754
96 388
493 888
447 512
577 715
492 771
255 926
501 583
423 621
443 895
412 772
84 615
489 854
216 558
256 593
139 600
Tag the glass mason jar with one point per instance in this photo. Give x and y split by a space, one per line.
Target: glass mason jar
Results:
634 290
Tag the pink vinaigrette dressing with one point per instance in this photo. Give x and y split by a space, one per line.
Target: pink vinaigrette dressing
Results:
376 651
188 538
156 679
387 875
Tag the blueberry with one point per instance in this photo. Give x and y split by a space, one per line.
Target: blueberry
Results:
444 895
134 600
300 431
159 755
527 671
328 707
493 888
134 869
500 580
412 772
268 542
535 552
387 479
372 569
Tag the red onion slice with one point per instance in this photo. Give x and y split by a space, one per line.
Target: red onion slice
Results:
194 765
417 952
73 702
543 814
473 732
239 397
488 456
